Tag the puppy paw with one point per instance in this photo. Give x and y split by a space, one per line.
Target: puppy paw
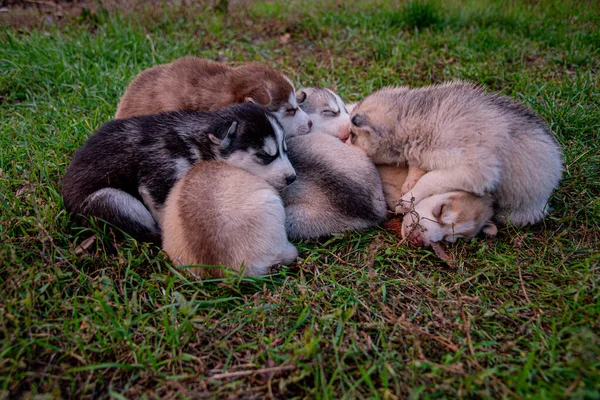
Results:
404 207
407 186
490 229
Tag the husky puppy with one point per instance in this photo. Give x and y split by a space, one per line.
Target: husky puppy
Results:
222 215
327 111
192 83
124 171
337 188
458 137
449 217
441 217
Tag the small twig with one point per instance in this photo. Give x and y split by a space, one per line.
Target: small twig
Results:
467 329
449 345
522 284
459 284
253 372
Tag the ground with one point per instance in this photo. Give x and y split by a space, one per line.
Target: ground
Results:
83 315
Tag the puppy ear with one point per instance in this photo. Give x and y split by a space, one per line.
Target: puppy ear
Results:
260 95
301 97
229 136
490 229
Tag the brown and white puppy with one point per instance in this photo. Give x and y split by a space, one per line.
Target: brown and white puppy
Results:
218 214
441 217
192 83
327 111
458 137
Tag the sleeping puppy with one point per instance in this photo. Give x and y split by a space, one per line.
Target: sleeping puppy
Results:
125 170
192 83
327 111
218 214
441 217
457 136
337 187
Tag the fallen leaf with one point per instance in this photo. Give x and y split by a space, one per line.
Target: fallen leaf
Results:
284 39
85 244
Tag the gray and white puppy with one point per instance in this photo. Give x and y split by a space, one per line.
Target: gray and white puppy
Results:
455 136
124 171
326 110
337 188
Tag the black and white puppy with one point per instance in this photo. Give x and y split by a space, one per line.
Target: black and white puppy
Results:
125 170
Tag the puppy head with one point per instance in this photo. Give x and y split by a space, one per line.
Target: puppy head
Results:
371 125
448 217
326 110
250 138
257 83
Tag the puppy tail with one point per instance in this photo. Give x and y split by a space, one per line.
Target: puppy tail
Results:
122 210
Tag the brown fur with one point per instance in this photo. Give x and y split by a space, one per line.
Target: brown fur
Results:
218 214
192 83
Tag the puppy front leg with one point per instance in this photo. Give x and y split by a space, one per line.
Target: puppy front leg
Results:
414 174
472 180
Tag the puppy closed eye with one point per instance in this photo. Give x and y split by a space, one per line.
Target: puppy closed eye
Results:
438 211
265 158
291 111
330 113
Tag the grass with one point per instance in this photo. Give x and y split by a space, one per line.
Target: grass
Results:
363 315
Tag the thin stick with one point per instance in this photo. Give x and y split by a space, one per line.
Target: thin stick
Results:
253 372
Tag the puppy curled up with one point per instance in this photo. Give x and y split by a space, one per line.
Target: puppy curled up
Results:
192 83
218 214
337 187
124 171
455 136
441 217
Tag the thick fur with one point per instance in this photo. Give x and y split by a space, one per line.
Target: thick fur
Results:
441 217
449 217
124 171
464 139
192 83
222 215
337 188
327 111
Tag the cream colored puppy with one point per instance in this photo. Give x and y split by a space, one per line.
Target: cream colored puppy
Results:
218 214
455 136
441 217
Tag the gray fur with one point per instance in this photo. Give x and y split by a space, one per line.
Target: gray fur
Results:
337 188
464 139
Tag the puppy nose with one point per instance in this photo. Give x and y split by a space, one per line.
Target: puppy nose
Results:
417 240
309 123
290 179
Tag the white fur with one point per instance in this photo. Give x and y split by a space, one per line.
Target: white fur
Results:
424 228
327 112
297 124
277 172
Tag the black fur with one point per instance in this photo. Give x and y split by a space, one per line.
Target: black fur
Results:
128 153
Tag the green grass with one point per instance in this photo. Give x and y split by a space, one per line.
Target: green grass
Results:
362 315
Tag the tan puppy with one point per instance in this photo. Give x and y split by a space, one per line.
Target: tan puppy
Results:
441 217
218 214
192 83
455 136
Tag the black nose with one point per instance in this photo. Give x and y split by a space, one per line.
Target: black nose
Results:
309 123
290 179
